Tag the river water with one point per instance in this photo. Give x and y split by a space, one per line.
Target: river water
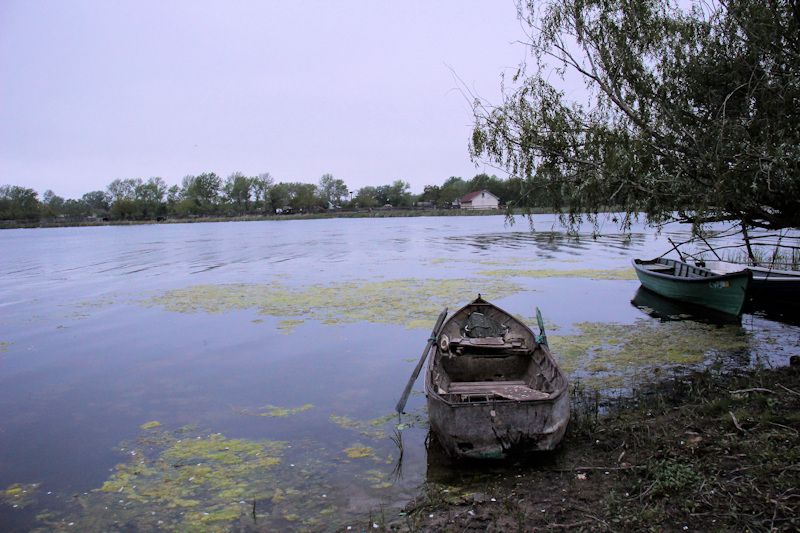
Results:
196 376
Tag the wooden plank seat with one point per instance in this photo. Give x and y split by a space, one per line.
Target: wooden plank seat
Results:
657 267
492 343
512 390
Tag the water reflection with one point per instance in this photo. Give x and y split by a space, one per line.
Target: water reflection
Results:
666 309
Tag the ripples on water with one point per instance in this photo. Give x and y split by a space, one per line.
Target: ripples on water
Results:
84 363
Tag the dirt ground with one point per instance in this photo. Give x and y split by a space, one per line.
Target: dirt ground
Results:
699 453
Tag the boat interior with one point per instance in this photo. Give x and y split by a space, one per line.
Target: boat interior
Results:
675 268
484 354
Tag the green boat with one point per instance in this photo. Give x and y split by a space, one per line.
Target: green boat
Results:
693 284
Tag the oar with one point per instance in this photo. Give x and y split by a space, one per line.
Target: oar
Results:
542 339
435 333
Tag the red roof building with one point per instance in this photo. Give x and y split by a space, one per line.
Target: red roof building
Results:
479 200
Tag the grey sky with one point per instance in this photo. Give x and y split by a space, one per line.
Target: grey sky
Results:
91 91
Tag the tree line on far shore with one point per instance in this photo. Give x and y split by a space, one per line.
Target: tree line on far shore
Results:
208 194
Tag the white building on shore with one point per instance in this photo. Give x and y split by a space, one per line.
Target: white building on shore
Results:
479 200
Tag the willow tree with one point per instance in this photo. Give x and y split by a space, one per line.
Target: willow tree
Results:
689 112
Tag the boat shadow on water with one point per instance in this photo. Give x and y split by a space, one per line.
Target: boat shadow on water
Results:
776 313
666 310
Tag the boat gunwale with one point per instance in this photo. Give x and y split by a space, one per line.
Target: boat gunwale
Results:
637 265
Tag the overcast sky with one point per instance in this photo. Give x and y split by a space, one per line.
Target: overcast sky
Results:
91 91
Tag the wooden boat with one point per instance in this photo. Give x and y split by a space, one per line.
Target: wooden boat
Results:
694 284
493 387
770 288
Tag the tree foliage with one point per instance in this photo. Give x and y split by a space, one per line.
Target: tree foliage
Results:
208 195
18 203
691 111
98 202
366 197
201 193
239 191
397 194
333 191
262 185
452 189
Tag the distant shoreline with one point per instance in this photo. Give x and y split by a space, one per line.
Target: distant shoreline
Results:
375 213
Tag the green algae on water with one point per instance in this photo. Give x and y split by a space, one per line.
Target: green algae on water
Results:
19 494
199 483
377 479
359 451
273 411
609 354
81 310
289 325
585 273
187 480
412 303
150 425
502 261
373 429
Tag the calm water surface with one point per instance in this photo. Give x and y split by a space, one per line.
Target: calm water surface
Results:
89 352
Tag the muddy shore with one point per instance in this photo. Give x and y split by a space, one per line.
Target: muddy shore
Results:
706 452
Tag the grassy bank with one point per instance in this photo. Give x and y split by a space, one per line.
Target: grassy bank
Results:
700 453
376 213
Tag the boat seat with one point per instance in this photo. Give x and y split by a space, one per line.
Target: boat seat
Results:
657 267
492 343
511 390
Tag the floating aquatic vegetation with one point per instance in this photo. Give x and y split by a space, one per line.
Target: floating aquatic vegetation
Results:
196 483
377 479
81 310
183 480
150 425
4 346
98 303
19 494
608 354
408 302
273 411
373 429
418 418
382 420
532 323
359 451
586 273
502 261
288 326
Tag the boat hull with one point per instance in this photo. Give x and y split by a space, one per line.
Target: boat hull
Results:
774 292
725 293
769 289
496 429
